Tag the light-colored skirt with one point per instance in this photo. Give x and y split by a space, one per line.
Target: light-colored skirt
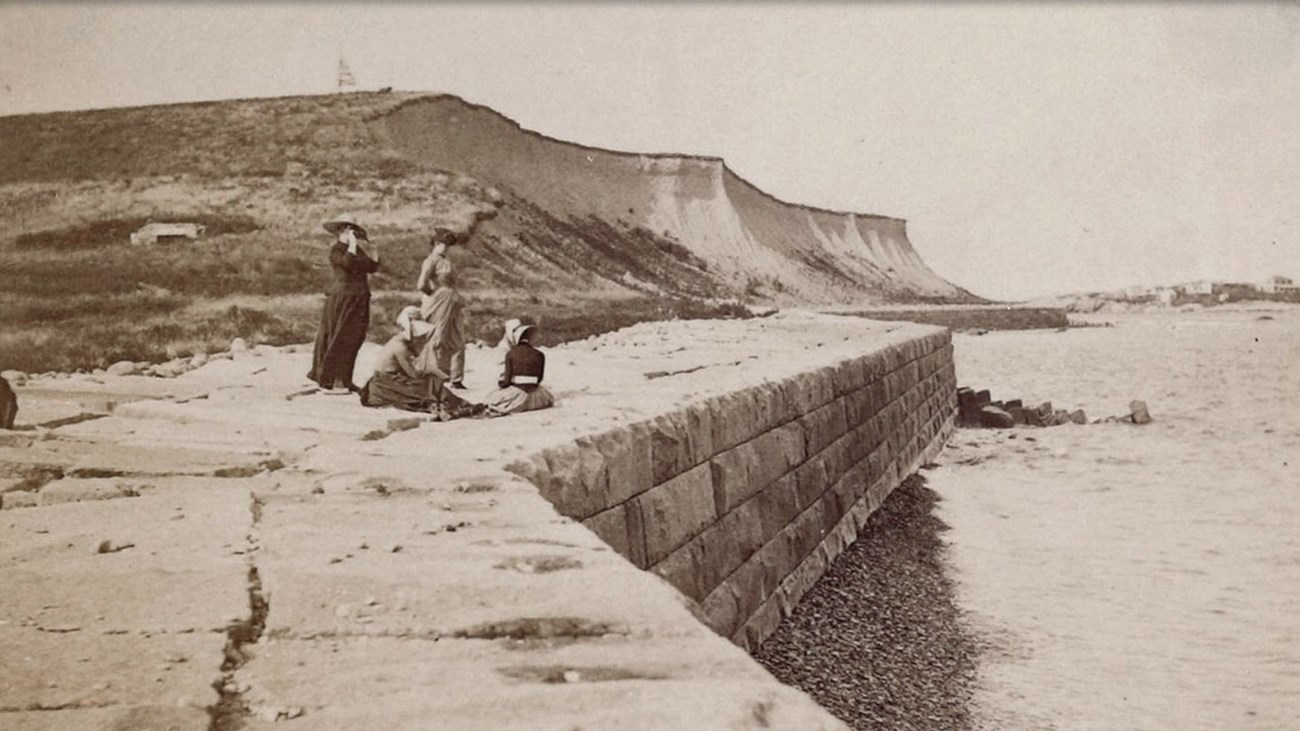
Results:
515 400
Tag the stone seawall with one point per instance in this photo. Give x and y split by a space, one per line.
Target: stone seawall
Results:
743 500
226 549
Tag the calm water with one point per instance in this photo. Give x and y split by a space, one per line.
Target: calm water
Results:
1135 577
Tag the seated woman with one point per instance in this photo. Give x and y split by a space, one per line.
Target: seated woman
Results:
396 381
520 384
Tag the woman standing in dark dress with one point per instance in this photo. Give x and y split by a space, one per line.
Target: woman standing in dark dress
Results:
347 306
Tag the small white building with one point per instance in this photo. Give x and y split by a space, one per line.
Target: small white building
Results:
152 233
1201 287
1278 283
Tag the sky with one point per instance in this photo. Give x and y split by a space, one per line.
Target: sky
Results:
1035 149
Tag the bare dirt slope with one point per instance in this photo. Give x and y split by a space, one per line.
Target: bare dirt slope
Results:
745 236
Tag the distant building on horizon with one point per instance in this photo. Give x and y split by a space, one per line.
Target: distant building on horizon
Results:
1277 284
1203 286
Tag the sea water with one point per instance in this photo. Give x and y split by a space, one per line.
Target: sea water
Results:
1134 577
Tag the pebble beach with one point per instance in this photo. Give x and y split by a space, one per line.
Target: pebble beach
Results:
1096 576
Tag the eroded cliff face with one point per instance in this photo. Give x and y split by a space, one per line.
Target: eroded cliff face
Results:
748 239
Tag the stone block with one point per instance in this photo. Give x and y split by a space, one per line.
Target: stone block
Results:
807 530
575 480
732 474
811 480
777 558
857 406
731 420
842 454
729 542
698 422
683 569
747 585
823 426
1078 416
771 407
721 612
849 376
808 391
873 367
994 418
611 527
779 504
1138 412
983 398
626 453
670 451
742 472
800 581
764 622
833 508
676 511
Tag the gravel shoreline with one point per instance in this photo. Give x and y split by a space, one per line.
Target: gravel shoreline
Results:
879 641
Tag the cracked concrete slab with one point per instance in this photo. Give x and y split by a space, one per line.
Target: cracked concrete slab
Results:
132 565
611 682
82 669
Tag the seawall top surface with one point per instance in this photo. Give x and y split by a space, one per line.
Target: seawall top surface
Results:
406 575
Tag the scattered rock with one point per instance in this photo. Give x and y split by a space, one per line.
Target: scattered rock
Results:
15 378
107 546
995 418
1138 412
1078 416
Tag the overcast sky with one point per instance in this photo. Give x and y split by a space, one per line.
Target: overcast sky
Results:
1033 148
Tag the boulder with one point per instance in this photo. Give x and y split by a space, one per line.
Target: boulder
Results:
1014 403
995 418
1138 412
968 408
1078 416
983 398
123 368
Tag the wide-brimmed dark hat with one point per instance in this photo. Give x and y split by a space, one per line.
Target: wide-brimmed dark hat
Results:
342 221
444 236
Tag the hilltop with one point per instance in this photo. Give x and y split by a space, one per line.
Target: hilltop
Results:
561 231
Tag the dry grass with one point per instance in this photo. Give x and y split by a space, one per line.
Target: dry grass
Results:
261 175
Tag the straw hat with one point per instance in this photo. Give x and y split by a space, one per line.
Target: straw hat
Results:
519 333
343 220
411 325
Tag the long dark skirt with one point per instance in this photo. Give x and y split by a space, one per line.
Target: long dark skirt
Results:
401 391
422 393
342 331
8 405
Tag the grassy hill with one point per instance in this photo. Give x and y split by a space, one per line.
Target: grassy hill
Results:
263 174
